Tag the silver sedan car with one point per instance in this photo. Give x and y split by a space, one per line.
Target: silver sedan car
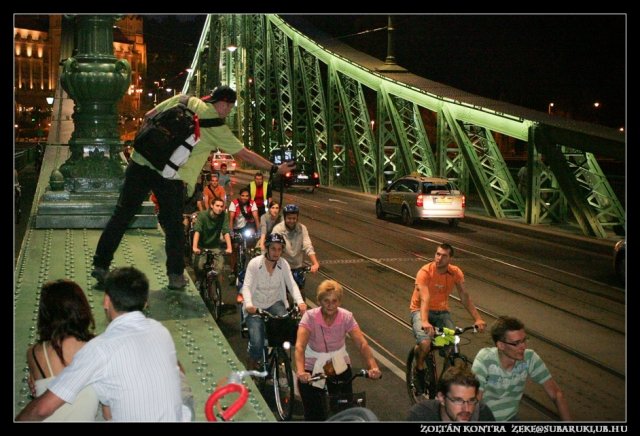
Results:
416 197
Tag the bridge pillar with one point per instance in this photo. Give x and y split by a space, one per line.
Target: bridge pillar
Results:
95 79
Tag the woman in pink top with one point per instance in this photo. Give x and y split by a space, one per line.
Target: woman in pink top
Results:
320 348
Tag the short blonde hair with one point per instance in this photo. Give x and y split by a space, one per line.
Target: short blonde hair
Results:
326 287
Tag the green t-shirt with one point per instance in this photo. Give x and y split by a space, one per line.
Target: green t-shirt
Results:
210 228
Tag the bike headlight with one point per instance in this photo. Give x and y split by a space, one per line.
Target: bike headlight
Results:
248 233
286 345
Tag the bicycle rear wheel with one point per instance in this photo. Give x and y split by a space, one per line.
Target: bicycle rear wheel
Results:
282 385
429 382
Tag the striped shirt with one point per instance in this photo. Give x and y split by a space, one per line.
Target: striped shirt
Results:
503 389
133 368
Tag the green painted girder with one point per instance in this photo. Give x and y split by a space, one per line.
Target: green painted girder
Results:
338 171
450 161
410 134
487 168
358 128
313 108
302 137
281 68
262 112
545 202
588 193
495 168
390 163
203 76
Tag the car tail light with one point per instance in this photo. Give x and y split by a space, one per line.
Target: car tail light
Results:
288 174
464 201
315 175
419 200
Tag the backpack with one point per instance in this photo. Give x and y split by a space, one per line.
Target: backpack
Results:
167 138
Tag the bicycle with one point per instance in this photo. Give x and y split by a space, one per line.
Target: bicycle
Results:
246 250
189 222
337 403
300 276
234 385
210 288
245 242
280 338
447 342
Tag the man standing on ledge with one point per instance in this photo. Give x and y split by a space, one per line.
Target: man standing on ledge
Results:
141 177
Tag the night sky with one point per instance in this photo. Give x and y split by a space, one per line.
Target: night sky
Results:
529 60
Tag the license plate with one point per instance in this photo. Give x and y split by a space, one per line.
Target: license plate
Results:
303 176
441 200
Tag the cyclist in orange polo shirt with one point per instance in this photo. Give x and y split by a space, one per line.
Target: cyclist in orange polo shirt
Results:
430 303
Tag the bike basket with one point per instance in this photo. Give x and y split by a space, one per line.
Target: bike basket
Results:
281 330
339 402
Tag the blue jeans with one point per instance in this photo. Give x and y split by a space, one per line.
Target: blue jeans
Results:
437 318
138 182
255 325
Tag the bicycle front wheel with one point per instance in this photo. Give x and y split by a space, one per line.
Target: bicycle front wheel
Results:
282 385
215 296
419 386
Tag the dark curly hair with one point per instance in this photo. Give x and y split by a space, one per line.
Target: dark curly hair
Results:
64 311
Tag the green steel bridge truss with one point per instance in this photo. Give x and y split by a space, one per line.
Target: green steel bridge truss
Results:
294 92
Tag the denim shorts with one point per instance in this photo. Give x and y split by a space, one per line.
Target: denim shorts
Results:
437 318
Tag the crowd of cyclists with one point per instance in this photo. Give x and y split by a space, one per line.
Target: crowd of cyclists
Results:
269 284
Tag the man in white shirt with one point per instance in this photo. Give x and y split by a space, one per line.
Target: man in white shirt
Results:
132 366
265 283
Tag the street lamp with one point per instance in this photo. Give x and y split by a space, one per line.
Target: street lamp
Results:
549 107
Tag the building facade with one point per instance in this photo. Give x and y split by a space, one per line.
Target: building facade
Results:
37 42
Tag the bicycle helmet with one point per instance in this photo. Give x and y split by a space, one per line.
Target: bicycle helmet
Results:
275 237
291 208
223 93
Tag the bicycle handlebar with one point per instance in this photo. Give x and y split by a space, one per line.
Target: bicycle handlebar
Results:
444 336
213 251
264 314
359 373
445 331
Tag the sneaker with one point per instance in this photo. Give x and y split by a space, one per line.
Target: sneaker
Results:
418 382
239 299
177 281
99 274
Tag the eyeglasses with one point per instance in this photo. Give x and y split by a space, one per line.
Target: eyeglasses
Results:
460 401
516 343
